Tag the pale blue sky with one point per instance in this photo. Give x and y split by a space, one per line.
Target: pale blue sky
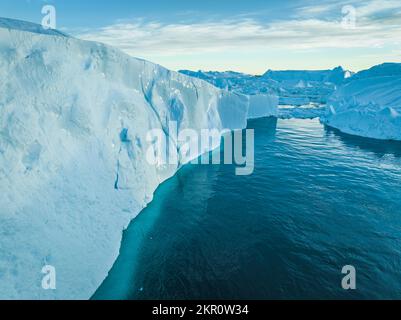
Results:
249 36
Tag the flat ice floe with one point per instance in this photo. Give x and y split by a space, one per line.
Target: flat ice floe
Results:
368 104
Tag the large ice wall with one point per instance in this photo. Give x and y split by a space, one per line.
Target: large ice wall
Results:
368 104
73 173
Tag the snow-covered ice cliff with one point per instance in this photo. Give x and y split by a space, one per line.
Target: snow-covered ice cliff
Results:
262 101
368 104
73 122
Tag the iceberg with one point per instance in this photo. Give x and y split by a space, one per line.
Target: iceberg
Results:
73 122
262 101
302 87
368 104
293 87
262 105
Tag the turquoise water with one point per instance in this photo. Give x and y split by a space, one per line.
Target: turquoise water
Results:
317 200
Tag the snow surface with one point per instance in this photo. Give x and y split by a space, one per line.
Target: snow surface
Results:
368 104
20 25
262 105
73 122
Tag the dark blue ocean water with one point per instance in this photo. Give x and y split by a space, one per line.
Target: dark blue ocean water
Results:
317 200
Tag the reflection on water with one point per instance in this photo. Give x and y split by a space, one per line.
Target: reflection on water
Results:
318 200
379 147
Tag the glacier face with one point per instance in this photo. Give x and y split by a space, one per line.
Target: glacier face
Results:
263 102
73 122
368 104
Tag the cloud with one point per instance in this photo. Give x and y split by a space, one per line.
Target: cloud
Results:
378 23
366 10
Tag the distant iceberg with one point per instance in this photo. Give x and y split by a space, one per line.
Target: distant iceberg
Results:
368 104
293 87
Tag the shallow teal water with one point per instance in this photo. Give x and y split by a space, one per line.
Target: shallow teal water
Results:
318 200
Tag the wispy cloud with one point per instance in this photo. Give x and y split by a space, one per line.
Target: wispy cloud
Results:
366 9
378 24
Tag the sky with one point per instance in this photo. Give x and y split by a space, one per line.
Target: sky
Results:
249 36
